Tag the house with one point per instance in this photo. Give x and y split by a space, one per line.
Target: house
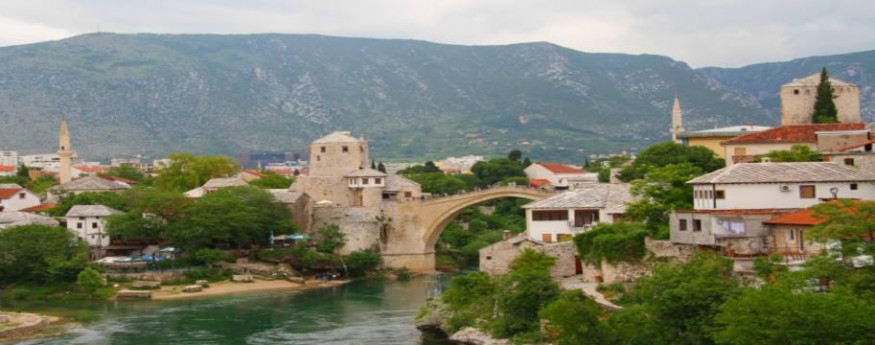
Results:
560 175
860 156
8 170
400 188
89 223
819 137
788 234
15 198
18 218
732 204
497 257
215 184
779 185
8 157
86 184
711 138
559 217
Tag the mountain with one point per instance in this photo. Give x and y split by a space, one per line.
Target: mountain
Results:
762 81
230 94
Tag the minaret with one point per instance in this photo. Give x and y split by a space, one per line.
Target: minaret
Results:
65 152
677 125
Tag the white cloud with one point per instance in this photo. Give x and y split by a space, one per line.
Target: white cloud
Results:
720 32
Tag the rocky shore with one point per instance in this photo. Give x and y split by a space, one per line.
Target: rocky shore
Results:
433 320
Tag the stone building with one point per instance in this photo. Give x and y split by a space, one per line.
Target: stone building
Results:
799 95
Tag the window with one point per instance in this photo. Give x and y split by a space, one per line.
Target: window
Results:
322 149
549 215
849 161
739 151
94 225
365 180
720 194
547 238
318 158
791 235
796 92
78 225
345 149
408 194
489 258
22 195
853 186
697 225
682 225
378 180
806 192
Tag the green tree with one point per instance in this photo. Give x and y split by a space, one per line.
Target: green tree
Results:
824 106
187 171
847 220
42 183
521 294
496 170
529 259
662 190
236 217
777 314
797 153
614 243
515 155
329 239
273 181
603 166
22 171
150 211
89 280
573 319
361 262
671 153
381 167
40 254
109 199
213 256
126 171
439 183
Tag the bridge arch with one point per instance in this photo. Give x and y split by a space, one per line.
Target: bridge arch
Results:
442 211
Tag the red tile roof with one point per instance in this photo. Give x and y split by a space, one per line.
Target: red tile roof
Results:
7 168
801 217
793 134
558 168
39 208
538 182
7 193
92 169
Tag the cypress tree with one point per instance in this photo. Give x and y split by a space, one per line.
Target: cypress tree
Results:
824 107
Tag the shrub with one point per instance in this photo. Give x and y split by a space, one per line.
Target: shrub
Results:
361 262
212 256
614 243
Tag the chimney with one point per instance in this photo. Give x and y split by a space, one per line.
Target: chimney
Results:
506 235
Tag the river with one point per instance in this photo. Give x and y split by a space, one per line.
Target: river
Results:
362 312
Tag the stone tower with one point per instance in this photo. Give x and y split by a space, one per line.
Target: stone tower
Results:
338 163
677 125
65 153
799 95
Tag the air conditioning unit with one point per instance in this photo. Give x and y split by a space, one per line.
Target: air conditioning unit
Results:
785 188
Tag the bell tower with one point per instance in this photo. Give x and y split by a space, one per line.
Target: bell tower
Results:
65 153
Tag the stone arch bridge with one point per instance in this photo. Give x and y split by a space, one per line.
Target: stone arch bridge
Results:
413 228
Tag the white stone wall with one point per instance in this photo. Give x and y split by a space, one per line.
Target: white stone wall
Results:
21 200
359 224
90 229
797 104
770 195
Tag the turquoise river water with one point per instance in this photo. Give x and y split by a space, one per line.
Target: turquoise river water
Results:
362 312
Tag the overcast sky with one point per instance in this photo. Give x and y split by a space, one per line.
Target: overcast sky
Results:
727 33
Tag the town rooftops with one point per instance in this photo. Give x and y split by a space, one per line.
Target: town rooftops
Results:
784 173
10 219
611 196
395 183
39 208
723 131
91 211
793 133
365 173
338 137
7 168
223 182
8 190
558 168
814 80
91 183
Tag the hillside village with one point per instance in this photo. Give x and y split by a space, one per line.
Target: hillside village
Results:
758 193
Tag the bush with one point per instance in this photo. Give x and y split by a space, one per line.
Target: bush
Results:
403 273
212 256
361 262
614 243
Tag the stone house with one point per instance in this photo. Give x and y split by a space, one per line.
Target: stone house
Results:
496 258
86 184
11 219
89 223
215 184
860 156
799 95
559 217
15 198
788 234
819 137
712 138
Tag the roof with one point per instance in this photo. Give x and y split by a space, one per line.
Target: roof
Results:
366 173
858 145
395 183
793 133
558 168
338 137
39 208
91 183
284 196
723 131
814 80
91 211
8 168
784 173
10 219
8 190
740 212
611 196
120 179
255 172
224 182
538 182
801 217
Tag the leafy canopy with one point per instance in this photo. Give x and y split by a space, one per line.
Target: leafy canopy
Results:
824 107
187 171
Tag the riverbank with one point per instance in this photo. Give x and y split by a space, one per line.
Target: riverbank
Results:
19 326
231 288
